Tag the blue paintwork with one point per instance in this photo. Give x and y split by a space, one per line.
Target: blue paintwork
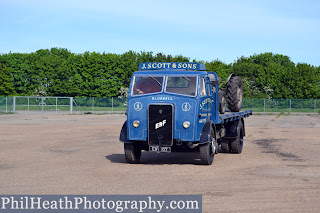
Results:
207 106
232 116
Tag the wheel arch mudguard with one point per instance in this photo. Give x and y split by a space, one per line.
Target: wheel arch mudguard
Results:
244 129
124 133
205 132
232 130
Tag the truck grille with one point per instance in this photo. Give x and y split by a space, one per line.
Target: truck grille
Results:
160 125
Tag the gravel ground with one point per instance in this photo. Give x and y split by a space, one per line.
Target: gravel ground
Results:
278 170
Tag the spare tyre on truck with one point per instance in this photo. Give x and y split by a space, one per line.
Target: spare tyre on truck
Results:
234 92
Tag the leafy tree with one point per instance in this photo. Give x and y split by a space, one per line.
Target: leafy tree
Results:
223 70
58 72
6 81
180 58
265 75
306 82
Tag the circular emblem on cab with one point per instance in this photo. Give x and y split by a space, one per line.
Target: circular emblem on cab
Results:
186 106
137 106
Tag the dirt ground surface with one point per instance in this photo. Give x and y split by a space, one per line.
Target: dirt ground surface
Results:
278 170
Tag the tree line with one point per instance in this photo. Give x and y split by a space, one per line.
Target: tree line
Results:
58 72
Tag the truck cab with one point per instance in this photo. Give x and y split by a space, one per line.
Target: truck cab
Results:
172 107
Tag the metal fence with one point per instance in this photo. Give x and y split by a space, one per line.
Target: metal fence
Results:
6 104
100 105
83 105
34 104
282 105
61 105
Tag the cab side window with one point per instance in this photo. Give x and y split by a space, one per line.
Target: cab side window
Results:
212 78
202 91
208 88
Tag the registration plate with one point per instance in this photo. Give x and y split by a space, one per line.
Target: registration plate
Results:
159 149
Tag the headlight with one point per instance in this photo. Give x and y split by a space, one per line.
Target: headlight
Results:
186 124
136 124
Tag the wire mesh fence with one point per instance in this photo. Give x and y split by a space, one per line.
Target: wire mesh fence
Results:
6 104
35 104
82 105
282 105
100 105
61 105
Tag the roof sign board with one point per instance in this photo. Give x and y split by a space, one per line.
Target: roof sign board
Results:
171 66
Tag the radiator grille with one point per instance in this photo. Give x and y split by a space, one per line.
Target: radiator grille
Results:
160 125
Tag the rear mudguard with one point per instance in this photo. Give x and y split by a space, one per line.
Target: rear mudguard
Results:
124 134
205 132
232 129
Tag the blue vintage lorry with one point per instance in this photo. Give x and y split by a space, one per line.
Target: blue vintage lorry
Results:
180 107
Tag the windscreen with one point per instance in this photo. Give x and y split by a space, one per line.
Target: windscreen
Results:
146 85
184 85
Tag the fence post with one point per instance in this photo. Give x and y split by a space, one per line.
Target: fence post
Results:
112 104
14 104
264 105
56 105
42 104
71 105
28 104
290 105
315 105
92 103
6 104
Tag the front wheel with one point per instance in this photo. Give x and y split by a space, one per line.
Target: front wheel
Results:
132 152
208 149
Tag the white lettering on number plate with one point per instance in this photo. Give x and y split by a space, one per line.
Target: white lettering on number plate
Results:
159 149
160 124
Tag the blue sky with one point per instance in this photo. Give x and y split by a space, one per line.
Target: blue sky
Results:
202 30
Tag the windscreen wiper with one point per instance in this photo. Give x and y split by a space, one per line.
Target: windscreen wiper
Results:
185 77
155 79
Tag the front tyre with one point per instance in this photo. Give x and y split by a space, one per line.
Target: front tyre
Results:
132 152
208 149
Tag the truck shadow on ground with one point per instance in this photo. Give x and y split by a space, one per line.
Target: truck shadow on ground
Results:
152 158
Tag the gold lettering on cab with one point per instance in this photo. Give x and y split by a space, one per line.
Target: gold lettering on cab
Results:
164 65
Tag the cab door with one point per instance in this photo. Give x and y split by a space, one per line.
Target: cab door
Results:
203 99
